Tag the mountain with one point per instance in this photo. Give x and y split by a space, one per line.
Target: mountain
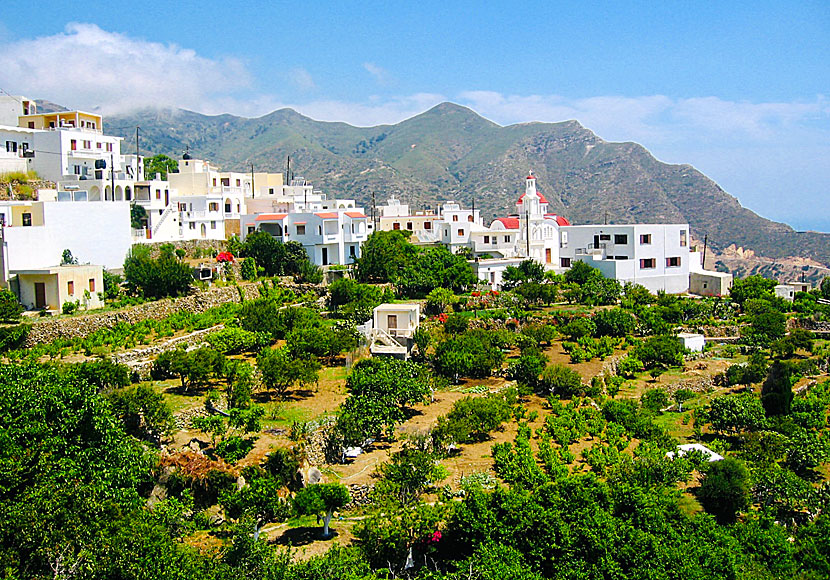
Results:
450 152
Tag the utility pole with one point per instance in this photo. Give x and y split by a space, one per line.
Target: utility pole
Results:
606 218
527 230
136 153
252 181
705 240
112 176
374 212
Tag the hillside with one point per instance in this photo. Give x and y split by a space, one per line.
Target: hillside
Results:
450 152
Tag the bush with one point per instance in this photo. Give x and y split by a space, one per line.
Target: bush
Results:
143 412
561 381
654 400
579 327
456 324
629 367
156 278
472 354
234 340
248 269
659 351
725 489
614 322
473 418
234 448
10 308
12 337
69 307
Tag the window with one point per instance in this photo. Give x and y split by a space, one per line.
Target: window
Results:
213 206
682 238
182 206
31 124
271 190
77 169
238 183
73 145
214 182
87 144
455 218
673 262
648 264
605 237
301 230
70 288
621 239
11 147
506 239
620 257
486 239
645 239
396 226
192 225
409 226
226 181
109 147
470 218
92 284
213 225
319 230
27 219
427 225
97 145
460 232
564 262
251 229
158 194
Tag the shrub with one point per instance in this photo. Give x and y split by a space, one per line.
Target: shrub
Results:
654 400
472 354
659 350
12 337
69 307
456 324
473 418
725 489
10 308
614 322
232 340
248 269
561 381
156 278
579 327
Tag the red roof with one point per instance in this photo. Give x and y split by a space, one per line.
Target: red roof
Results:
327 215
355 214
541 197
263 217
509 223
559 219
531 176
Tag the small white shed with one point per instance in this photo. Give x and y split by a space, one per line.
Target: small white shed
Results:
397 320
691 341
682 450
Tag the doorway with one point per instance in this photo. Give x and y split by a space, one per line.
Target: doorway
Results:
325 256
40 295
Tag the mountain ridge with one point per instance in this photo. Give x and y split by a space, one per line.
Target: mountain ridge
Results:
451 152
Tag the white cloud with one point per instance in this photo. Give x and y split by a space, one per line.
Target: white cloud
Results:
302 79
90 68
380 74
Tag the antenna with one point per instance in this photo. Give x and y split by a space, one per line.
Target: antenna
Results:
137 178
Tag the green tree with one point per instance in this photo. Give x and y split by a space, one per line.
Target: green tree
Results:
322 498
143 412
248 269
527 271
266 251
659 351
654 400
735 413
407 475
777 390
281 371
67 258
434 268
10 308
137 216
751 287
559 380
680 396
725 489
472 354
384 255
439 300
156 278
614 322
260 500
160 163
473 418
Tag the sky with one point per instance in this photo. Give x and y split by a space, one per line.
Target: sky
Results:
740 90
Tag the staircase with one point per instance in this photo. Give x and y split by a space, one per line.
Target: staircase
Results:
167 211
382 343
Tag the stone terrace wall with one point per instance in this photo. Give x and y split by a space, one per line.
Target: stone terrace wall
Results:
46 330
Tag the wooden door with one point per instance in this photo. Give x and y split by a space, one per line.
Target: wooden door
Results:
547 255
40 295
391 323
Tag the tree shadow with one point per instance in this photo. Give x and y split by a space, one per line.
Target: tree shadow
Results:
304 536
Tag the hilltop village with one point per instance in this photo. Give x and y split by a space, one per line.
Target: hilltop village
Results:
223 374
